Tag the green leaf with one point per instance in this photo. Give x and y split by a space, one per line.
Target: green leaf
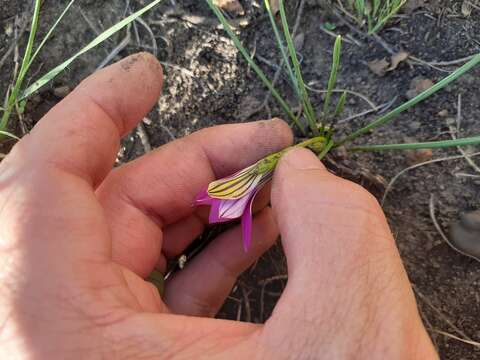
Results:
333 74
278 38
475 140
417 99
308 108
50 32
13 98
341 105
97 41
329 26
253 65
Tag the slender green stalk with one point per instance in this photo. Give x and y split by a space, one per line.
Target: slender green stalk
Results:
253 65
10 135
326 149
475 140
341 104
419 98
385 14
50 32
333 74
45 79
13 98
285 58
308 108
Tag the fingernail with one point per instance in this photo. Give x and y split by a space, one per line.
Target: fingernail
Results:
302 159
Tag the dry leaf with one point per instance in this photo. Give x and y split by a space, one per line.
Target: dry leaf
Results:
232 6
274 6
412 5
396 59
298 42
418 85
466 8
418 156
379 67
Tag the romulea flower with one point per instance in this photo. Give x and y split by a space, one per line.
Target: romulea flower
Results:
232 197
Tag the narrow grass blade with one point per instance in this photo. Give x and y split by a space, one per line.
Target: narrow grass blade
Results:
253 65
419 98
50 32
360 7
390 10
333 74
308 108
10 135
97 41
475 140
13 98
285 58
341 105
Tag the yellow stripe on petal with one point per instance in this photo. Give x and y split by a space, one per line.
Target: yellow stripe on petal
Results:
237 186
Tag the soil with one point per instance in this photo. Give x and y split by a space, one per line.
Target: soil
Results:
207 83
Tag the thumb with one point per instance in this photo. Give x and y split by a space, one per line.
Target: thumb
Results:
346 280
322 215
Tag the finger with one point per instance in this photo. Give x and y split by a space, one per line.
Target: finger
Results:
158 189
178 236
81 134
327 207
201 288
344 269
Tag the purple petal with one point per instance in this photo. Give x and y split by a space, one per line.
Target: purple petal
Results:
203 198
247 224
233 209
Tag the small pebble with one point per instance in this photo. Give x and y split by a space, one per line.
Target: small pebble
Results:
61 91
465 234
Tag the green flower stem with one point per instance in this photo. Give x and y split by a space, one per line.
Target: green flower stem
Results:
12 99
253 65
419 98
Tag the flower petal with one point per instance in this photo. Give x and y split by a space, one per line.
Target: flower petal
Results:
233 209
203 198
247 224
236 186
214 217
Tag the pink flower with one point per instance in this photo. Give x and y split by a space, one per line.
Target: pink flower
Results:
231 198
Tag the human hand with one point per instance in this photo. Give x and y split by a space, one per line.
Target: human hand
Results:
78 238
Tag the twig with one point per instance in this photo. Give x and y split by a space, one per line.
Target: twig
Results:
334 35
441 232
363 97
179 68
431 207
152 35
264 283
465 341
142 134
380 109
168 131
248 311
439 313
453 135
122 45
396 177
278 73
465 175
88 21
15 40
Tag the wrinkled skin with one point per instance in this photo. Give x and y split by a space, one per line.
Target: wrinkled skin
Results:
77 239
